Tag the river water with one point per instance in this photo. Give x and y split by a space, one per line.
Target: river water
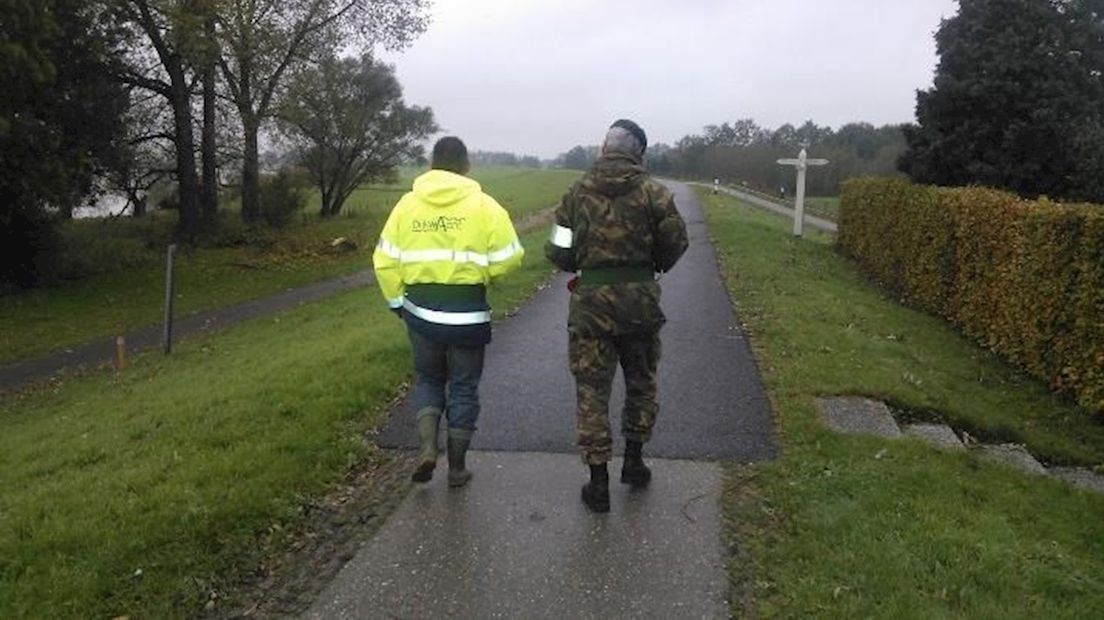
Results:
105 206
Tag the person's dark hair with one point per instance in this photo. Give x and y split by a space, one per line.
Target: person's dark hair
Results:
636 130
450 154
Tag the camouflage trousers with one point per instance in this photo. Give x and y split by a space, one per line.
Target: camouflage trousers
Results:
594 363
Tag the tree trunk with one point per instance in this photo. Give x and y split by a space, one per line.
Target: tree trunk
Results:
251 176
137 202
184 141
210 145
329 196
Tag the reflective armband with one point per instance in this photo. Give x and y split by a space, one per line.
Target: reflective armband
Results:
562 237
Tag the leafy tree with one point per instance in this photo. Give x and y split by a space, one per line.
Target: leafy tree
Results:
1017 99
59 117
743 132
352 124
263 41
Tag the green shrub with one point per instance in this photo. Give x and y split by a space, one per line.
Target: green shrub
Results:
104 245
282 197
1023 278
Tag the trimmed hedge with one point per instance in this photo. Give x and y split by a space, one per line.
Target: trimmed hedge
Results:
1024 278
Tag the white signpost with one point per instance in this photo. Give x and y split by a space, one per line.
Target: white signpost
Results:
801 163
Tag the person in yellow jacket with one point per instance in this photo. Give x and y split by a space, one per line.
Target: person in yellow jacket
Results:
443 243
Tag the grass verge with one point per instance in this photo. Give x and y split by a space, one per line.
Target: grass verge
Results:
250 263
860 527
826 207
133 493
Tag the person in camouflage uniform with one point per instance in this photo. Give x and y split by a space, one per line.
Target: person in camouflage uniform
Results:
617 228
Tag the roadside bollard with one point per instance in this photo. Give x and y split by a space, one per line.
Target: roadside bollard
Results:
120 353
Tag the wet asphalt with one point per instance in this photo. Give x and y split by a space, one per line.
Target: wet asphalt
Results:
517 542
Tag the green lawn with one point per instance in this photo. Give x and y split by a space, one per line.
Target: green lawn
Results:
846 527
132 295
130 494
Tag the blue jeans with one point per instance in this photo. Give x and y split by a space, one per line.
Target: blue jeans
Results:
439 365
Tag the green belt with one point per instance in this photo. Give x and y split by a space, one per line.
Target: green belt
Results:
615 275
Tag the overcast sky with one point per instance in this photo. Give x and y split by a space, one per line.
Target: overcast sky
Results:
540 76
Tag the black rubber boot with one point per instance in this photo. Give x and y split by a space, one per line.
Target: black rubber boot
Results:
429 420
458 442
596 492
633 471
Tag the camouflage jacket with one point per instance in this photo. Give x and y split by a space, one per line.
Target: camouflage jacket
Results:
616 216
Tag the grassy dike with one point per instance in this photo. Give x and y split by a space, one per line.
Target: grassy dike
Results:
247 264
131 493
846 527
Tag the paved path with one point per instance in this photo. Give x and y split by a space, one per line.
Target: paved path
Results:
811 220
517 542
16 374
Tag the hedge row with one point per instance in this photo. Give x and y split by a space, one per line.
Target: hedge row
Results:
1024 278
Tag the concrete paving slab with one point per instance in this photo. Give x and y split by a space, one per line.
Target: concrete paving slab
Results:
518 543
1013 455
858 416
1079 477
712 401
936 435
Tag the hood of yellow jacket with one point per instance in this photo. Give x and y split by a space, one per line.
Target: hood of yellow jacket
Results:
442 188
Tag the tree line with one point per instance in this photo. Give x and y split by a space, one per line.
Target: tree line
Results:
124 95
503 158
743 152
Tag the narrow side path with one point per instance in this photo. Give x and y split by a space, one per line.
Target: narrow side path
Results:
763 203
517 542
17 374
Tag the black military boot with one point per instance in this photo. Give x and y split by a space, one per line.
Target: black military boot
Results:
633 471
596 492
429 420
458 442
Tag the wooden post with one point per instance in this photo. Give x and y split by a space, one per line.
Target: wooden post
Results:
802 163
120 353
169 298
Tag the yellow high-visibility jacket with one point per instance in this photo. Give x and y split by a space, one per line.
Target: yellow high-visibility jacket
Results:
445 232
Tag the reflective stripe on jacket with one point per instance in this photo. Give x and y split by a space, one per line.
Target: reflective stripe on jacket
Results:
444 232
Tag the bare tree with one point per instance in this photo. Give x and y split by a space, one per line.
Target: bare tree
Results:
208 56
147 157
163 68
352 127
263 40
